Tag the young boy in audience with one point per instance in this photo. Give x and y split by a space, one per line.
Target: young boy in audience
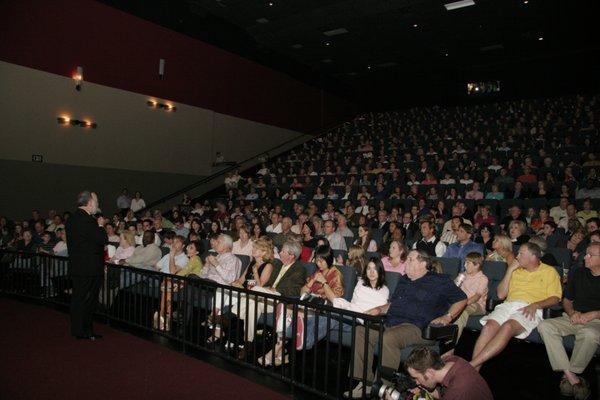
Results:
475 286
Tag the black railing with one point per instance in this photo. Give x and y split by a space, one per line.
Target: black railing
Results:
183 309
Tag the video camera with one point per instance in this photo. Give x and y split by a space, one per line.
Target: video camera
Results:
400 387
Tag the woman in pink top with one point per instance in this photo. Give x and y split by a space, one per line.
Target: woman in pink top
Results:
126 247
396 261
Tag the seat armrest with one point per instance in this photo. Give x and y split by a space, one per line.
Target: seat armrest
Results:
491 304
446 336
552 312
438 332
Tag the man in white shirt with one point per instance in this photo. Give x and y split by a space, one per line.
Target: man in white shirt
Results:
225 267
343 226
336 240
560 211
364 207
181 259
275 226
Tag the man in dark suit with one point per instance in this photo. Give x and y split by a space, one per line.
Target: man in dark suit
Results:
86 239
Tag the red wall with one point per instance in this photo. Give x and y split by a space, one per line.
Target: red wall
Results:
122 51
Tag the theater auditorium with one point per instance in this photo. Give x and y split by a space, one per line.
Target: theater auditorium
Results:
392 199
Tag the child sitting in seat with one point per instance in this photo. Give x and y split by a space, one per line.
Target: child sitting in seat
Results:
475 286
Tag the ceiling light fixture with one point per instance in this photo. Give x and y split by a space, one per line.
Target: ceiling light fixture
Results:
327 43
75 122
415 26
459 4
540 38
271 4
334 32
164 106
78 77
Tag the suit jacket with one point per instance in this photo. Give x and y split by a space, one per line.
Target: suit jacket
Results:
85 242
291 283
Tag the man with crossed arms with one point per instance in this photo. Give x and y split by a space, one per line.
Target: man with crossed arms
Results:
582 319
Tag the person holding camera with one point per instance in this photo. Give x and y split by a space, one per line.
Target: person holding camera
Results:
447 378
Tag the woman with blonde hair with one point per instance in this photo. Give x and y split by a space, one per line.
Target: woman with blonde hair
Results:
356 258
502 246
516 231
126 247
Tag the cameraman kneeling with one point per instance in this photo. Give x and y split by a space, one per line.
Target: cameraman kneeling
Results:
450 377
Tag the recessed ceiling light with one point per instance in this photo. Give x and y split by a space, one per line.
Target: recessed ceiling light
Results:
540 38
271 4
262 20
525 1
368 67
415 25
446 54
387 64
459 4
327 43
333 32
491 47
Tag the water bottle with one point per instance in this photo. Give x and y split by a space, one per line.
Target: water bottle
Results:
460 278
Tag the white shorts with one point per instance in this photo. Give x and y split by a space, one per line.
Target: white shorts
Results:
510 310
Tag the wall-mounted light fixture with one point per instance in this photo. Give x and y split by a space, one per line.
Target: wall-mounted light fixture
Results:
78 77
164 106
161 68
76 122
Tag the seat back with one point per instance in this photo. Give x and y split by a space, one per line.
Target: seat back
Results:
342 253
245 261
450 266
494 270
349 241
391 280
350 279
310 268
371 254
563 255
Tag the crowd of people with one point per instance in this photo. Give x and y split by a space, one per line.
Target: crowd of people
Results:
392 192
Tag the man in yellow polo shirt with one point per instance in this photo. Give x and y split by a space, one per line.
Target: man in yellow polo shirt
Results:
527 287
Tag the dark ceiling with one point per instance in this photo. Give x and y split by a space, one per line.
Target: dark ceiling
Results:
399 53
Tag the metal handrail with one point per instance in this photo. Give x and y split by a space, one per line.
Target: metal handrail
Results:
230 168
130 295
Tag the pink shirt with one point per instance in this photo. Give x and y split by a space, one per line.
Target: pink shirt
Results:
122 254
387 265
476 284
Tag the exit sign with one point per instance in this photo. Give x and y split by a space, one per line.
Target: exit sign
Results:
37 158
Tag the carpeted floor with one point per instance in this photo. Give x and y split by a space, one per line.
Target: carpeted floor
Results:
39 360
